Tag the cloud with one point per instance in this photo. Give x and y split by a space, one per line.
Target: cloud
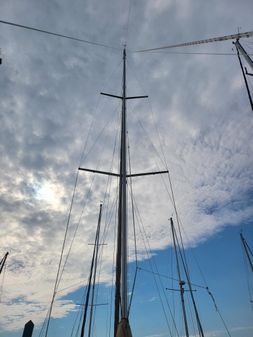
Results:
49 105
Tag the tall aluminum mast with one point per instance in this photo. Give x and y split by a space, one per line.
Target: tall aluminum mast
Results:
121 312
123 197
121 327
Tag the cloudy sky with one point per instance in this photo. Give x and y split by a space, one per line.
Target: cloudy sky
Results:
197 120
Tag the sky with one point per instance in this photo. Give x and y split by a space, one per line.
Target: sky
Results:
196 121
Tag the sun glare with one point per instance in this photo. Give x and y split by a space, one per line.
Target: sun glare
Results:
45 192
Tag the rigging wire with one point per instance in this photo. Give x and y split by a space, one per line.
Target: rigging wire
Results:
94 278
134 227
60 273
61 257
75 322
172 278
244 77
78 316
218 311
191 315
80 313
168 277
109 213
206 287
59 276
112 279
181 282
69 287
44 324
88 193
98 44
99 135
107 220
246 266
210 294
186 271
149 255
172 197
72 201
128 20
93 264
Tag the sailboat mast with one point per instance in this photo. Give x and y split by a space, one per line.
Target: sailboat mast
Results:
2 262
181 282
123 183
247 249
241 50
92 272
244 53
121 259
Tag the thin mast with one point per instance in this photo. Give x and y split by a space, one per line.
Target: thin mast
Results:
123 197
239 49
93 261
121 259
247 250
95 270
181 282
184 263
121 312
2 262
244 53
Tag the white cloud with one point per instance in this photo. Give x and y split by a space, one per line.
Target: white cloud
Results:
49 90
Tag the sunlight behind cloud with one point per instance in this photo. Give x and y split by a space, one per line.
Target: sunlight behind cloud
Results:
48 193
45 192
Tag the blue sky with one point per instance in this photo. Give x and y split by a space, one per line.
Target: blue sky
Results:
222 264
197 122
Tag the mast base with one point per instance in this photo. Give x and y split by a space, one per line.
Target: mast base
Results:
124 329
